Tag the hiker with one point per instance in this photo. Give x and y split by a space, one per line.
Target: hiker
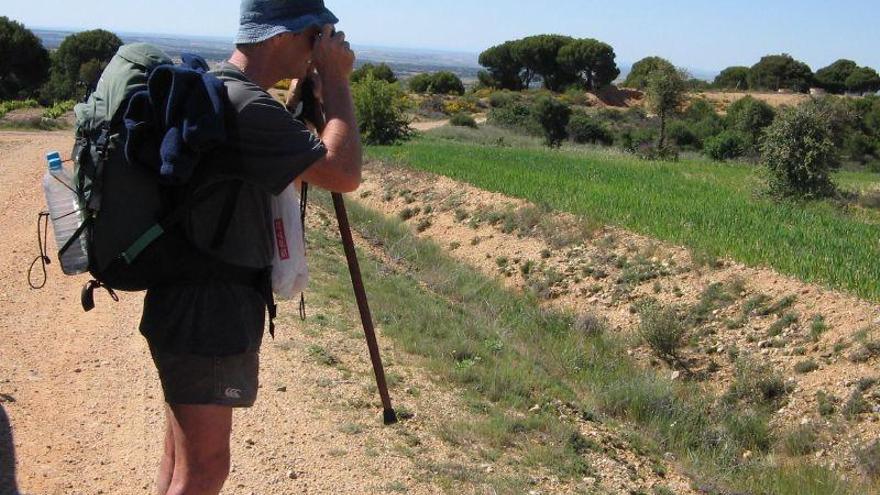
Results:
205 338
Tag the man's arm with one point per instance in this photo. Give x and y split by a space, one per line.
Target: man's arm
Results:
340 169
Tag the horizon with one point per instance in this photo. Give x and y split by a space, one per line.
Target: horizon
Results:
706 38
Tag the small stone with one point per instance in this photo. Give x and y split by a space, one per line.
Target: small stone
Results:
535 408
250 442
490 469
291 474
676 375
590 480
281 389
78 370
747 455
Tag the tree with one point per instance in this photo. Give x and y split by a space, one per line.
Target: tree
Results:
863 80
553 116
749 117
92 49
380 107
733 78
591 60
24 63
799 153
504 70
775 72
833 78
665 94
641 71
382 72
538 56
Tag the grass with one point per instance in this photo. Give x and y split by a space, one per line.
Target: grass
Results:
502 347
706 206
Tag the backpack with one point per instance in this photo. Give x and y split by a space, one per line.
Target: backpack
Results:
132 218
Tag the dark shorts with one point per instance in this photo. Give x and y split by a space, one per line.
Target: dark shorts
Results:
188 379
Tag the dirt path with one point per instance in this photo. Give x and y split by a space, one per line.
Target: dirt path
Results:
85 407
434 124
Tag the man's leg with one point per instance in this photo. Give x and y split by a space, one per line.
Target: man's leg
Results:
166 465
201 449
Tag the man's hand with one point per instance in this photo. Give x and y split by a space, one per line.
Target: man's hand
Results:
332 56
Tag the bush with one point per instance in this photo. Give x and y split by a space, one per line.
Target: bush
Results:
868 458
59 109
664 332
440 83
446 83
631 139
682 135
799 153
8 106
583 128
728 145
553 116
500 99
516 117
381 72
380 108
463 120
749 117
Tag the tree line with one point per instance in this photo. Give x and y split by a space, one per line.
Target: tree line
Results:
28 70
783 72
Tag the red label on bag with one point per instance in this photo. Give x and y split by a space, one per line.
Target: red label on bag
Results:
281 239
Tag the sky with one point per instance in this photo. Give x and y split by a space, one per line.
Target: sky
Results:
705 34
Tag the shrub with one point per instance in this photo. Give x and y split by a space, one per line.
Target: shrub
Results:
59 109
756 383
420 83
664 332
802 440
517 117
799 153
632 139
446 83
463 120
500 99
583 128
441 83
381 72
726 146
380 111
868 458
682 135
8 106
750 117
553 116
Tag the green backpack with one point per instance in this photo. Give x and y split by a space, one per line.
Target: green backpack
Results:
132 221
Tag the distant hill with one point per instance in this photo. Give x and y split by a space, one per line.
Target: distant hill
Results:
405 62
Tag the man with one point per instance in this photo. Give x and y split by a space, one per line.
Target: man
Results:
205 339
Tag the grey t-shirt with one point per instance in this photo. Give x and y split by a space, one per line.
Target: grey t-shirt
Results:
269 150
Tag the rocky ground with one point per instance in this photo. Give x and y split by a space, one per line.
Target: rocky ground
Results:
822 343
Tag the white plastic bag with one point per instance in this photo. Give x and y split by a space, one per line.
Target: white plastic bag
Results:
290 272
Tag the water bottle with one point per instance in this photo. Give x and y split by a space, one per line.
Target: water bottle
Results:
66 215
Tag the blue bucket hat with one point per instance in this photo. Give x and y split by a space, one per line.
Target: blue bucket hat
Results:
263 19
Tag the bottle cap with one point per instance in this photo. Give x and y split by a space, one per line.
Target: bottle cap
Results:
54 159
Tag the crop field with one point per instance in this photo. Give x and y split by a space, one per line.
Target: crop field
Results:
712 208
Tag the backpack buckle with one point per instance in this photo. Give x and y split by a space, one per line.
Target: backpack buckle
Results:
87 295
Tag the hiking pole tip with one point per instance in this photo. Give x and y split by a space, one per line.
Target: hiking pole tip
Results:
389 417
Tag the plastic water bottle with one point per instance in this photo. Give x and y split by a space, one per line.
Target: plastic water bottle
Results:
66 215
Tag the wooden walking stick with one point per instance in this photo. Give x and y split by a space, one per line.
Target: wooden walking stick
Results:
314 114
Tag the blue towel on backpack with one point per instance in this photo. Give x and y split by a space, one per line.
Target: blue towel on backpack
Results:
178 118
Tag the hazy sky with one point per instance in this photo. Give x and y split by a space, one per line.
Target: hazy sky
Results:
701 34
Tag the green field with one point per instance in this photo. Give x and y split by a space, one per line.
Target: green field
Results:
710 207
